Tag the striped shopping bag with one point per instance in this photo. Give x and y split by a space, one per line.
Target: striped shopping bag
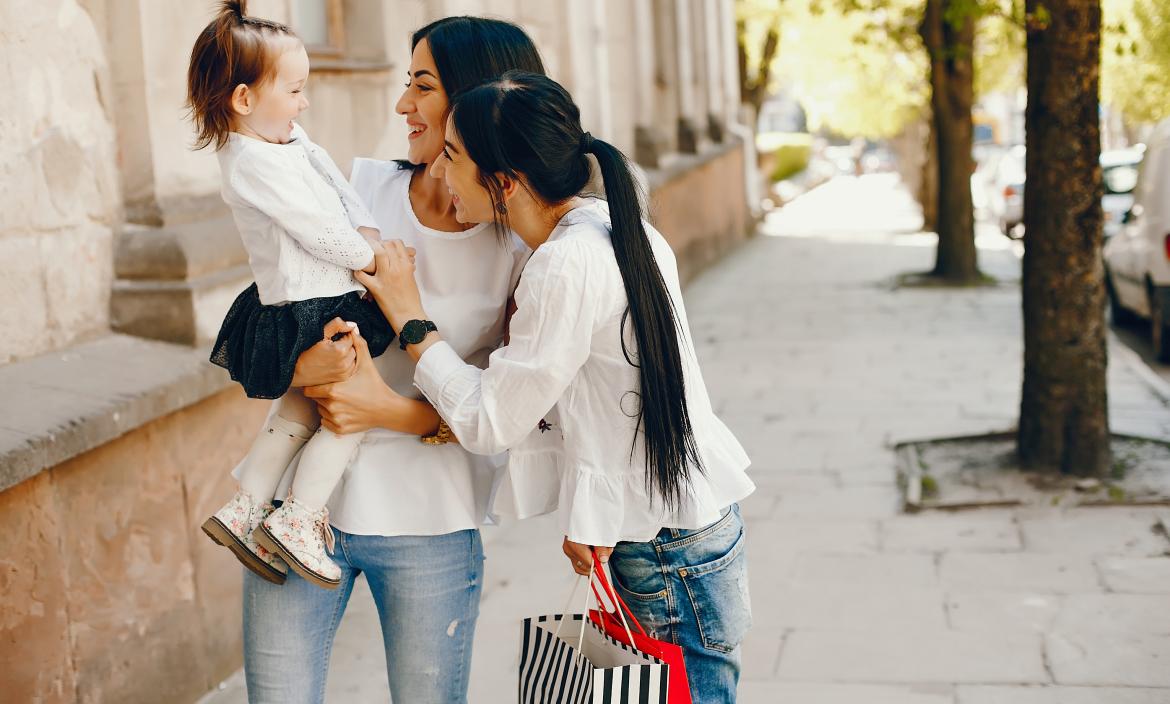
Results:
585 666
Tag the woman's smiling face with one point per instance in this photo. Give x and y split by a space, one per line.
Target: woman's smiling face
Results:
472 201
424 103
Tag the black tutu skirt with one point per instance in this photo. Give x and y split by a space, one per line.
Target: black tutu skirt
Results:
259 345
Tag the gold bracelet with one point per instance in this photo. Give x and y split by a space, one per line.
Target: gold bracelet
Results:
442 436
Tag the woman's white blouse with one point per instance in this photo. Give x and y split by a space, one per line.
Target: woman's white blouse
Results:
565 355
396 485
297 216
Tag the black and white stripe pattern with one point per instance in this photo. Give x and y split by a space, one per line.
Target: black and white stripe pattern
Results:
551 672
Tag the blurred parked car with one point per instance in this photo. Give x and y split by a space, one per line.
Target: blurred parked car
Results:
1137 259
842 157
1119 171
987 158
1005 192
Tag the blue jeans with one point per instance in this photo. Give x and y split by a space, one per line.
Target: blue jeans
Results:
426 589
690 587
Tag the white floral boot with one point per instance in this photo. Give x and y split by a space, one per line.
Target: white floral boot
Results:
304 540
232 527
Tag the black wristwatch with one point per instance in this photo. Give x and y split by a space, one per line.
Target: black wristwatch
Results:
414 332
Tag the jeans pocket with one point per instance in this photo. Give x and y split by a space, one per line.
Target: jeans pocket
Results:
718 592
635 576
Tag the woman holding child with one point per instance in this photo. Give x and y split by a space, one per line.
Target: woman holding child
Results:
406 514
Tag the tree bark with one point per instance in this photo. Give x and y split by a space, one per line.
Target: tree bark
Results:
928 193
952 94
1064 420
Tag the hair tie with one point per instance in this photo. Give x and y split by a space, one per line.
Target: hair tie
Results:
586 142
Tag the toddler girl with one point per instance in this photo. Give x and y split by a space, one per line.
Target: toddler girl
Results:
306 231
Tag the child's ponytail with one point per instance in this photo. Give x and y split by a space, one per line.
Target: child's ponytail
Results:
232 49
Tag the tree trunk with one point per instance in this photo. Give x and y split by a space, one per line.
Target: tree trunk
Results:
755 91
928 193
1064 423
952 83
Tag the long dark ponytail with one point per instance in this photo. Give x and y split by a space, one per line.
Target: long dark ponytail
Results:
525 123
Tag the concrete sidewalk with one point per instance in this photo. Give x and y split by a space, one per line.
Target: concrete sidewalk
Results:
819 365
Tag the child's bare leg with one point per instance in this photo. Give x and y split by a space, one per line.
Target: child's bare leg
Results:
290 427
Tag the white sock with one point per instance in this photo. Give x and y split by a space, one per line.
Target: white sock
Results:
271 452
322 464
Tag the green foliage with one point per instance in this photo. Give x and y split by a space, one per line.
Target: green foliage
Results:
857 67
929 486
1000 54
757 24
1135 56
788 153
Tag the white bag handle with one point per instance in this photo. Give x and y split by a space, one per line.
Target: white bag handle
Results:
584 612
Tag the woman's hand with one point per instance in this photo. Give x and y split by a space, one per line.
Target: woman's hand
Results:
357 403
328 361
392 284
580 557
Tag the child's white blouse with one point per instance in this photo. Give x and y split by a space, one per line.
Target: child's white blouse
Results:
297 216
565 364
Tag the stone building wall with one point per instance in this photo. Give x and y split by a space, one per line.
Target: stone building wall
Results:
58 178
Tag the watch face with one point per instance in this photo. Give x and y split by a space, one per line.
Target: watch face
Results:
414 331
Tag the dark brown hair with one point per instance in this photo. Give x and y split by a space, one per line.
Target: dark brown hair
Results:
231 50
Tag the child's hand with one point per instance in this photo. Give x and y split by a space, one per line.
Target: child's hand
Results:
394 287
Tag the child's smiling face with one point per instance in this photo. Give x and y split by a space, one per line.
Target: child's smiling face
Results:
267 110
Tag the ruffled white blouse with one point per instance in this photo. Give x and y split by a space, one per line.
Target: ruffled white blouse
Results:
297 217
565 366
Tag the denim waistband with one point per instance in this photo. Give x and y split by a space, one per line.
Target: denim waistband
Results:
667 534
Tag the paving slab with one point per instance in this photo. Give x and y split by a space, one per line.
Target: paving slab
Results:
899 656
825 693
1023 571
975 694
1114 613
1096 659
1002 612
985 531
1146 575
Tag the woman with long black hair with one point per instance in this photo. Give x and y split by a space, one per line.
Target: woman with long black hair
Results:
599 336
